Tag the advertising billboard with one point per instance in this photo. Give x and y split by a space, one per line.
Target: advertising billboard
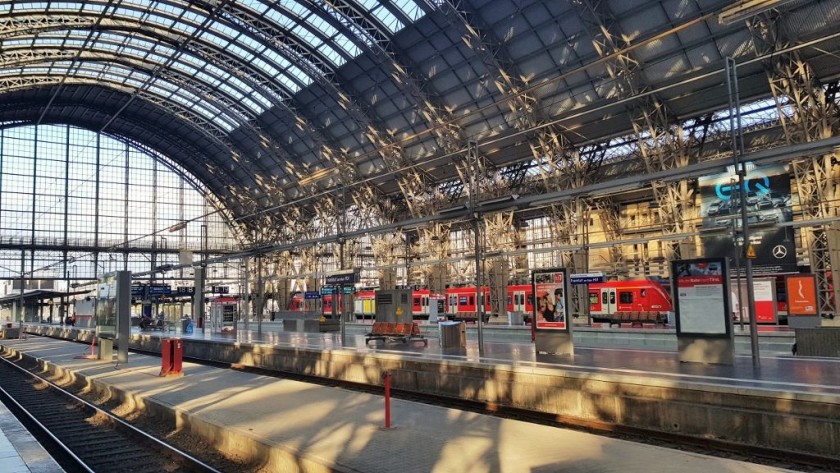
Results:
802 295
768 203
551 303
700 299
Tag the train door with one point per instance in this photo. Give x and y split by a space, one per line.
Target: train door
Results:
453 304
608 301
420 304
519 301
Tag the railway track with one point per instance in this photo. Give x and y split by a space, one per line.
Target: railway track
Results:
81 436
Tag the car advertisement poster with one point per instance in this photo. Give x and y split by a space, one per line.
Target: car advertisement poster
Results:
551 299
700 303
768 204
802 295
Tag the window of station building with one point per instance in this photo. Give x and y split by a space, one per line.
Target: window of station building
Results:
62 186
625 297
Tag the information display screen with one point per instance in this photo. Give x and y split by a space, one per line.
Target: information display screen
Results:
700 299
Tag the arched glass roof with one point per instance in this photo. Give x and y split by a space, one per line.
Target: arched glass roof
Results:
270 101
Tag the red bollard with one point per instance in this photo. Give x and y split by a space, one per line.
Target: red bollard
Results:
165 356
177 356
387 400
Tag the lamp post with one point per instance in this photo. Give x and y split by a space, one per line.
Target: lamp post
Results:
737 152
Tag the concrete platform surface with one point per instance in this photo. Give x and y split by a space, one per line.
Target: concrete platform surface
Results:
19 451
330 428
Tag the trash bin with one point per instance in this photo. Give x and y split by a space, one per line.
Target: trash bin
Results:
453 334
185 322
515 318
106 348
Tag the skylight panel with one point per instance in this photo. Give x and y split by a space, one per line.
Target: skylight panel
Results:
265 67
382 14
291 85
409 8
306 35
299 74
280 18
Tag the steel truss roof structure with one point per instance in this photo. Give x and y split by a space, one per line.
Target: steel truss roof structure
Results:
269 102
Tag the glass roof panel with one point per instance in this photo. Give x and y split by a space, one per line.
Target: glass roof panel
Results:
382 14
315 24
409 8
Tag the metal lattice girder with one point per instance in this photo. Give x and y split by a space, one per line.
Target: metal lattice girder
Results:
491 51
609 213
502 234
660 141
795 86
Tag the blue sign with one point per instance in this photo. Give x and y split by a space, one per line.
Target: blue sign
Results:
311 295
348 290
160 290
586 278
138 291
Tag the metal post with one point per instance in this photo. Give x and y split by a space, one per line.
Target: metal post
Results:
738 149
472 149
22 311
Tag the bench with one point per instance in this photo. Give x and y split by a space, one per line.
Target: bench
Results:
637 318
396 331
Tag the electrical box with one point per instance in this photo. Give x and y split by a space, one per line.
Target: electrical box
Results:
394 306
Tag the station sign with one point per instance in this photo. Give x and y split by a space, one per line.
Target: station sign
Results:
188 290
327 290
311 295
219 289
138 291
159 290
348 290
586 278
346 277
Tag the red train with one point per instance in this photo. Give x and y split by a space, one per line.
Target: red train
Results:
460 303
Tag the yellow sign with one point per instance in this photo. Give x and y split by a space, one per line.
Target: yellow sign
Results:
399 311
322 319
751 251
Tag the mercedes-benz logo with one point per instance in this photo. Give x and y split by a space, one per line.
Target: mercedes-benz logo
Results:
779 251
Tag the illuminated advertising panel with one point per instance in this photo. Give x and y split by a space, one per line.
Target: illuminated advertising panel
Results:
768 203
700 301
802 295
551 301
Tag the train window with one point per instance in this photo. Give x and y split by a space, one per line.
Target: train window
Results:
603 298
462 300
416 301
593 298
625 297
472 300
510 300
643 293
612 298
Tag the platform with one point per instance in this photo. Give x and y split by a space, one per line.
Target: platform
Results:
19 451
295 426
